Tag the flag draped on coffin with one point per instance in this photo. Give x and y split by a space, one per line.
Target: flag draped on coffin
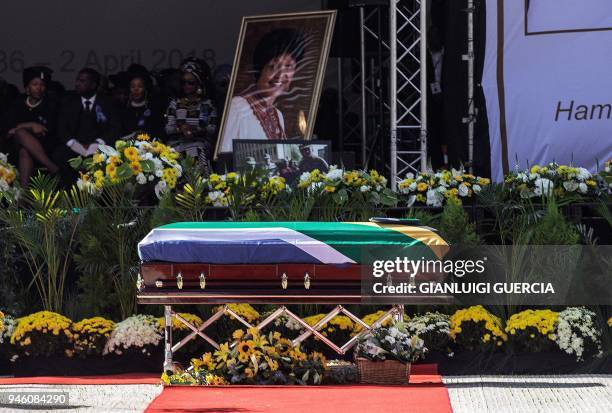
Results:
547 83
287 242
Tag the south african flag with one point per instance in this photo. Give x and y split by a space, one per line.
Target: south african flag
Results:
288 242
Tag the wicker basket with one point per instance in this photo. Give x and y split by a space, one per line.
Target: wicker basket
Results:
382 372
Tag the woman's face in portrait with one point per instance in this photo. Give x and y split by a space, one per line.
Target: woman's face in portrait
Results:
276 76
137 90
36 88
190 84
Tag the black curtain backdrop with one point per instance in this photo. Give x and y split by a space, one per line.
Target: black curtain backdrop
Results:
450 17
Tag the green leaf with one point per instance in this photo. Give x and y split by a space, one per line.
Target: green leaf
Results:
124 171
75 163
148 166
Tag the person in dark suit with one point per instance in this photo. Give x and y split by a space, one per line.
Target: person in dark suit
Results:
86 121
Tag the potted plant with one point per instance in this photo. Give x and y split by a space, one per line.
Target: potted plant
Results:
384 355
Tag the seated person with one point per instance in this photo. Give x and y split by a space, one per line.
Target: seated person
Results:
191 120
142 113
86 120
32 124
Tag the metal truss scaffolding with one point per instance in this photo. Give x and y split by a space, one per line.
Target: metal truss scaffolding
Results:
391 78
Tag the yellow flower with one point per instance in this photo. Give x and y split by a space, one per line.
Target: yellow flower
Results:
135 167
248 372
98 158
131 153
422 187
223 352
329 188
143 137
237 335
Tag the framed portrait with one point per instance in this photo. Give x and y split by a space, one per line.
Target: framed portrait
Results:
276 78
288 159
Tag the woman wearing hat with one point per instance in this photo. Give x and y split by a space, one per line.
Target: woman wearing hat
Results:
191 120
253 114
142 113
32 122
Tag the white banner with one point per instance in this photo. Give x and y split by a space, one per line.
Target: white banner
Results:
547 82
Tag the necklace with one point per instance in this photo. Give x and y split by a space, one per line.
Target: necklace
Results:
32 105
138 104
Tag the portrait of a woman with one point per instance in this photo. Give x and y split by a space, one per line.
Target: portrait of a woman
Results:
253 114
276 78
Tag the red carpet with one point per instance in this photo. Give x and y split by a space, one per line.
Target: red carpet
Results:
426 393
130 378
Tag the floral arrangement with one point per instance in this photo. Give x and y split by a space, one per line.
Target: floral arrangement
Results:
369 187
605 176
393 343
551 179
179 326
43 334
610 322
90 335
577 333
7 327
139 333
219 187
245 311
433 328
433 189
532 330
140 160
339 330
8 174
254 359
370 319
339 322
477 329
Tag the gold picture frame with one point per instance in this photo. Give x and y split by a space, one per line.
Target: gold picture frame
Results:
295 109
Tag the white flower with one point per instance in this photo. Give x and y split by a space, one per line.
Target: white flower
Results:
583 174
108 150
4 186
159 173
334 174
582 187
476 188
570 186
365 188
543 186
134 332
463 190
434 198
151 178
441 189
305 177
412 186
3 158
409 175
141 179
160 188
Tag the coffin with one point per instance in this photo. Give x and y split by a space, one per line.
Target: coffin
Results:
274 262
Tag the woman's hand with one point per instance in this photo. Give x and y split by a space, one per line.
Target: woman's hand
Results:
38 129
34 127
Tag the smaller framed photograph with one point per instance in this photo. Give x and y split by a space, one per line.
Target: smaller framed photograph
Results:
288 159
